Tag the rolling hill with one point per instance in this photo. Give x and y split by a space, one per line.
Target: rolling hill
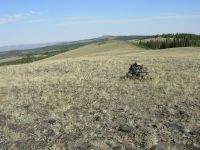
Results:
174 52
77 100
122 48
28 54
106 48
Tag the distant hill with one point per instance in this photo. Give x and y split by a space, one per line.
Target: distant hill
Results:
24 46
35 49
40 45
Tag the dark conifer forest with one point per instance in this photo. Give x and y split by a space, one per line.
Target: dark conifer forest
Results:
170 41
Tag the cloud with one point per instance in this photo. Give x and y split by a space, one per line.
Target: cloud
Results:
90 20
16 17
79 18
36 21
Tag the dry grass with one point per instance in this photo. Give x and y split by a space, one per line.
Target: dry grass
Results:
9 59
108 48
79 103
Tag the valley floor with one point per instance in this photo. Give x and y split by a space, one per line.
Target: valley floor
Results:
82 103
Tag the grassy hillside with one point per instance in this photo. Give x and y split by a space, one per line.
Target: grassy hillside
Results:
174 52
73 101
106 48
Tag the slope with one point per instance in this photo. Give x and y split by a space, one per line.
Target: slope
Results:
108 48
83 104
174 52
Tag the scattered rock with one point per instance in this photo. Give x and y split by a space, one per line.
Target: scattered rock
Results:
157 147
177 127
25 106
182 114
23 128
121 109
52 121
3 142
97 118
125 128
2 120
50 132
19 144
129 146
98 131
154 126
195 147
195 131
192 146
117 148
84 146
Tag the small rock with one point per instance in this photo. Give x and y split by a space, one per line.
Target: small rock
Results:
195 131
181 112
52 121
157 147
129 146
125 128
121 109
97 118
176 106
196 147
193 146
177 126
98 131
27 106
109 143
138 126
117 148
50 132
84 146
2 120
154 126
187 131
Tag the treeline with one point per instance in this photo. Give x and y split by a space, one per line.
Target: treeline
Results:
170 41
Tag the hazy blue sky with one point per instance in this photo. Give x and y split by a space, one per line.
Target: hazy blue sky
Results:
37 21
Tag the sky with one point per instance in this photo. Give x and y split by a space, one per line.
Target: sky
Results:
41 21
